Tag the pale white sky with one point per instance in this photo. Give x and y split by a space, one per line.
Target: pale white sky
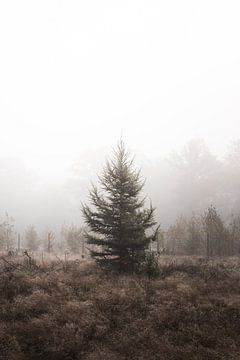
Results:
75 75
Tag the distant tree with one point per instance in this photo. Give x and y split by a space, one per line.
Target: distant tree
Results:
31 238
176 236
216 232
195 236
62 245
187 236
234 235
7 233
49 241
160 241
74 238
118 224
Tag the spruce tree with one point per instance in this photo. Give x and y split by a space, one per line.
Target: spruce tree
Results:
118 223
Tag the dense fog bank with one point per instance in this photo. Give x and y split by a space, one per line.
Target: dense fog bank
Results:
186 181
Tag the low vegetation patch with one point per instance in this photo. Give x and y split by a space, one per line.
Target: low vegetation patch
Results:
190 310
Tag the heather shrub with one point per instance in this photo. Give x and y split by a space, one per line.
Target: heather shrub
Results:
189 311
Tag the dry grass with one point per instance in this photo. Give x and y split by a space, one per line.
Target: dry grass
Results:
74 311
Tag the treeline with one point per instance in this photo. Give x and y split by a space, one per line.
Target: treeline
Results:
194 178
70 239
203 235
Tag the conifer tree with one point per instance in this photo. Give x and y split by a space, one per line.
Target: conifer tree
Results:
7 233
73 236
118 222
217 234
31 238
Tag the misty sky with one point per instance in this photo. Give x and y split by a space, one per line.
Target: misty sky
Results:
76 75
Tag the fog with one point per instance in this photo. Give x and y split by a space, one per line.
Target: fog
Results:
75 77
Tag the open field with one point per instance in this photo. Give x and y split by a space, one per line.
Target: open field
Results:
72 310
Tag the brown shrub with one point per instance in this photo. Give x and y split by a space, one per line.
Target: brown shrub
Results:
79 312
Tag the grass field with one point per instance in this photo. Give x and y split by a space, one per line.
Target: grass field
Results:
72 310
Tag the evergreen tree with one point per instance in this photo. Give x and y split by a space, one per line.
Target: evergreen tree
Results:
73 236
217 233
7 233
118 224
234 235
31 238
177 234
195 236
